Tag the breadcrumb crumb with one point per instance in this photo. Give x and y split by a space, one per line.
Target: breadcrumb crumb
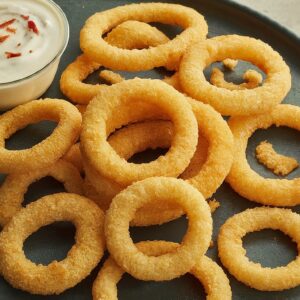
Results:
252 80
277 163
111 77
230 63
213 204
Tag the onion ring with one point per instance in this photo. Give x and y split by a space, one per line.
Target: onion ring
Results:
138 35
252 80
73 156
174 82
213 278
14 187
52 148
114 77
126 142
110 109
71 84
91 193
201 155
233 255
242 102
83 257
220 151
169 53
81 108
215 142
152 214
277 192
139 137
277 163
171 265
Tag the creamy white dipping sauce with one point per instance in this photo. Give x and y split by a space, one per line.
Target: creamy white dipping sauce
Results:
32 39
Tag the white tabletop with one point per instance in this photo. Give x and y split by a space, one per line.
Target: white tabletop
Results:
285 12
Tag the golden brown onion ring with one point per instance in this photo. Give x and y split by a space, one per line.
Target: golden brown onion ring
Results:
127 102
139 35
173 264
49 150
83 257
237 102
15 186
267 191
214 155
169 53
233 254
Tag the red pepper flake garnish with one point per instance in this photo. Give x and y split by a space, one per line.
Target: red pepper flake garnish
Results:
11 29
3 38
12 55
7 23
26 18
32 26
30 51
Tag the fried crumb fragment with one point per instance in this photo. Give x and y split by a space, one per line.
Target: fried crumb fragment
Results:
213 204
230 63
252 80
111 77
277 163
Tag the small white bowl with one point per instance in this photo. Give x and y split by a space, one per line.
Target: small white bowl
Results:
33 86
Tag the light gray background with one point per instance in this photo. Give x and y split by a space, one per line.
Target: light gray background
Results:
285 12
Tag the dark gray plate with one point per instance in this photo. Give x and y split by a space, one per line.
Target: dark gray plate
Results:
271 248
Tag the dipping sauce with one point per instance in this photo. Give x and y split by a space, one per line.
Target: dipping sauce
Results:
30 37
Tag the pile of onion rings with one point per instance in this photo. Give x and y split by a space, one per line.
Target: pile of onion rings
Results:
212 277
111 109
91 149
213 155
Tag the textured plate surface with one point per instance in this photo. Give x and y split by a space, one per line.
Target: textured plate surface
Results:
270 248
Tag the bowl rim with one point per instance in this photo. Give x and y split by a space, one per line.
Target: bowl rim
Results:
57 56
